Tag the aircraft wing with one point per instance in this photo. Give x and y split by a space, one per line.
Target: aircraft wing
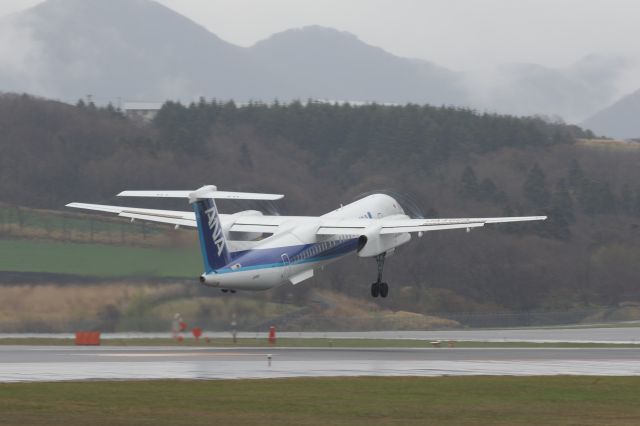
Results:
256 223
172 217
392 225
238 222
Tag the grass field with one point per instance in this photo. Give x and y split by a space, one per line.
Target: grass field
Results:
98 260
562 400
70 225
311 343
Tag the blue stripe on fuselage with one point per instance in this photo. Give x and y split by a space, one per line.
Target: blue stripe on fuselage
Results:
298 254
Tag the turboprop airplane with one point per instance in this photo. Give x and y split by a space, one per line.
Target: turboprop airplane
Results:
251 251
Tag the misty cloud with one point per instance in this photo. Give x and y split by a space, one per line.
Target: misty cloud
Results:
140 50
22 67
573 93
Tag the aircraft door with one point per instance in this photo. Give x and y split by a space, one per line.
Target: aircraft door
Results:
286 263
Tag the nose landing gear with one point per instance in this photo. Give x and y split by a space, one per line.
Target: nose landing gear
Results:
380 288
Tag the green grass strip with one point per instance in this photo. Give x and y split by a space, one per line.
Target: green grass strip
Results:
97 260
328 401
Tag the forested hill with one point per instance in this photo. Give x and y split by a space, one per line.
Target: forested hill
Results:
54 151
430 134
453 162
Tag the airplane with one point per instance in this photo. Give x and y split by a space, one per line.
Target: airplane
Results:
248 250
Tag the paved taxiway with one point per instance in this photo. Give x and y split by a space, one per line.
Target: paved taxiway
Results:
47 363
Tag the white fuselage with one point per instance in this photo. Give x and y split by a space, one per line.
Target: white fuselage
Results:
295 247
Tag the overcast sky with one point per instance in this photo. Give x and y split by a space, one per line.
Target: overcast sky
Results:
460 34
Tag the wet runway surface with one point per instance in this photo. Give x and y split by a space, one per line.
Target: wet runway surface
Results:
47 363
537 335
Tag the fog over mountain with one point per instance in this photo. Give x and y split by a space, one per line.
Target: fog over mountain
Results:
133 49
572 93
140 50
620 120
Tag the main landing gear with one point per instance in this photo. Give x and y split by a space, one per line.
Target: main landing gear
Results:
379 288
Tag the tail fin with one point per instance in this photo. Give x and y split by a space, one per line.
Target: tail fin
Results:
213 244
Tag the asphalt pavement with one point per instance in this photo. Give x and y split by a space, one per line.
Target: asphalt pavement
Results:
58 363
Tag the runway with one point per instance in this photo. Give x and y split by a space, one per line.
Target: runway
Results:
56 363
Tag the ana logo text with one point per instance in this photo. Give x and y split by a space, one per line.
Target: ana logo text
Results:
216 229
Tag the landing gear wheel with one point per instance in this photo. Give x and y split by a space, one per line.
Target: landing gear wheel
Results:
384 289
224 290
379 288
375 289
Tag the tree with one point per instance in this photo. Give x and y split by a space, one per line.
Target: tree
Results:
469 182
597 197
562 203
488 191
245 157
535 188
576 176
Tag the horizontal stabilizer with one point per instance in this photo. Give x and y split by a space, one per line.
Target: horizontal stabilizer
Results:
209 191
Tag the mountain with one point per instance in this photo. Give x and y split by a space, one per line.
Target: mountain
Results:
324 63
620 120
141 50
136 49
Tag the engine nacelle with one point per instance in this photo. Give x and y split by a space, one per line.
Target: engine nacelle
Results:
372 243
241 236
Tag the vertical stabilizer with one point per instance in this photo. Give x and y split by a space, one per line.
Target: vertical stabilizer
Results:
213 244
